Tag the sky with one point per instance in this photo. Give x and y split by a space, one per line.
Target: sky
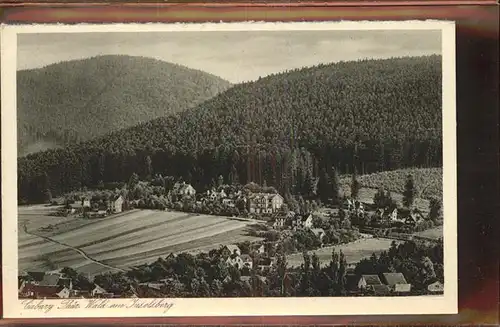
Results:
234 56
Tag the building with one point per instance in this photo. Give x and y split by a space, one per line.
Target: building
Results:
100 292
436 288
304 221
116 204
319 233
396 282
279 223
247 261
52 286
228 202
229 250
266 203
235 260
183 189
367 281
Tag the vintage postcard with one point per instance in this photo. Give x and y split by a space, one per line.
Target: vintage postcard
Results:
232 169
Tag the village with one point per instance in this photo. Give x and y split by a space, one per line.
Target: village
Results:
311 225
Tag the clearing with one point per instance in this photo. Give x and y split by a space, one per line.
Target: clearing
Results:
121 241
354 251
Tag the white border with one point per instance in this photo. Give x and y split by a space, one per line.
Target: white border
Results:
446 304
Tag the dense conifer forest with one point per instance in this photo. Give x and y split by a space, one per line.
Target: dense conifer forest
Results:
77 100
284 130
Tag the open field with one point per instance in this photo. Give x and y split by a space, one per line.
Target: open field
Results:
121 241
354 251
428 181
433 233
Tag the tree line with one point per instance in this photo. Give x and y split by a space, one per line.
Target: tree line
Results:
284 130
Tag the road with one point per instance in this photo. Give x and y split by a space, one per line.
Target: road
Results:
79 251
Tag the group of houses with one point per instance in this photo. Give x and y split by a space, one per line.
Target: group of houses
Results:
231 254
94 209
54 285
232 197
386 284
392 216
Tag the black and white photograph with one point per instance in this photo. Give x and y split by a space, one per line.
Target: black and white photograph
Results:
230 163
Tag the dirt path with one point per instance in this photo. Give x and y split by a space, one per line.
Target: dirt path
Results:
82 253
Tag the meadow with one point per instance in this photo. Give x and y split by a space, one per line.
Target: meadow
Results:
120 241
428 181
354 251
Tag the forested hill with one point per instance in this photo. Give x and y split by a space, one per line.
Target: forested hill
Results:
81 99
280 130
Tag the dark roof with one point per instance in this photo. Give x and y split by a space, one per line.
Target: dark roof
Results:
265 262
351 281
372 279
392 279
304 217
381 289
50 280
36 275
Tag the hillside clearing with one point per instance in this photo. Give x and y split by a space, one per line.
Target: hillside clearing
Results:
354 251
123 240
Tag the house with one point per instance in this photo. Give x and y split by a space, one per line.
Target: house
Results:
247 261
319 233
56 279
183 189
52 286
304 221
436 287
235 260
64 293
266 203
396 282
85 202
228 202
115 205
230 249
100 292
380 290
259 248
349 204
367 281
279 223
39 292
414 217
264 263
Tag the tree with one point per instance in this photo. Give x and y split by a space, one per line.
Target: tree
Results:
149 168
47 193
220 181
434 209
325 189
309 185
355 185
409 192
335 184
133 180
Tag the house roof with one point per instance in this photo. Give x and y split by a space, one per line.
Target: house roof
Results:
42 290
317 231
372 279
305 217
435 287
246 257
381 289
394 278
265 261
98 289
232 248
50 280
36 275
